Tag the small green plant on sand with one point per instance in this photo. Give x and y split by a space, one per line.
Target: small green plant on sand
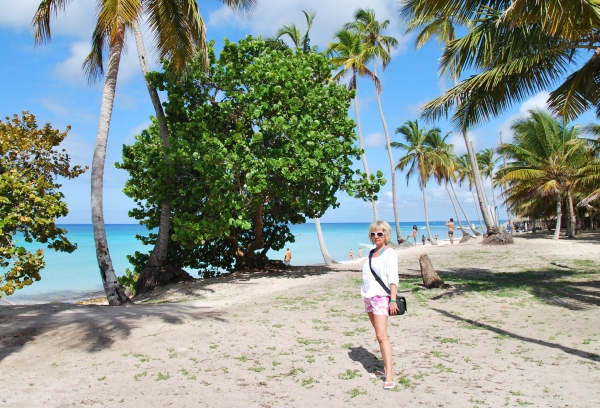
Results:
349 375
163 377
355 392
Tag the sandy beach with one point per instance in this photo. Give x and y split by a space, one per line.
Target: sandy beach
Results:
520 325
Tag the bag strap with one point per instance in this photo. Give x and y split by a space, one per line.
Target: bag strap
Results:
377 278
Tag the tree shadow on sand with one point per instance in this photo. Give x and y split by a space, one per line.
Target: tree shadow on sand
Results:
501 332
574 289
91 328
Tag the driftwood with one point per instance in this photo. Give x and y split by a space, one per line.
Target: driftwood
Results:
430 277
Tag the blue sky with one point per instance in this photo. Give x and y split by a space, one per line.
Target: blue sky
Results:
48 82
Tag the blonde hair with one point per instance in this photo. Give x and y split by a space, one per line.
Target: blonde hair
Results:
381 225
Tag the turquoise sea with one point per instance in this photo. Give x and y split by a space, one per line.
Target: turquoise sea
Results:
73 276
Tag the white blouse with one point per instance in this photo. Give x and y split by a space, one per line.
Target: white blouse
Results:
386 267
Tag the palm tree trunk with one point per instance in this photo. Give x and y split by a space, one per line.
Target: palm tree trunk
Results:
455 211
158 256
558 216
399 236
477 233
114 292
571 221
477 209
487 218
495 206
431 239
363 155
326 257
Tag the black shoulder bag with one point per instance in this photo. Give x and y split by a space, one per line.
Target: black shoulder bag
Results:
400 300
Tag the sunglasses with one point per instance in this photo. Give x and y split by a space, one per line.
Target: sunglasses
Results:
379 234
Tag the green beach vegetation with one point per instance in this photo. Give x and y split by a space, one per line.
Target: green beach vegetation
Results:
262 139
30 200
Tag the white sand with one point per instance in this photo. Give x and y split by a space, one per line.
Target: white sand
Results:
300 338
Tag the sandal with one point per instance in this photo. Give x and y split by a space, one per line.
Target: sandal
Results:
377 374
388 385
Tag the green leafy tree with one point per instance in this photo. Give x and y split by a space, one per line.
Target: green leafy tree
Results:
30 200
379 45
263 140
546 156
420 158
351 54
179 33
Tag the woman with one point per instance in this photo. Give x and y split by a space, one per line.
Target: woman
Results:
413 234
378 304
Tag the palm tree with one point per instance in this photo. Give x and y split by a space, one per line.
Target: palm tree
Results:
421 158
350 53
463 169
301 42
547 156
443 171
486 161
518 48
179 32
379 45
441 25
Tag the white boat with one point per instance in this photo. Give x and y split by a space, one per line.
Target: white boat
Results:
366 246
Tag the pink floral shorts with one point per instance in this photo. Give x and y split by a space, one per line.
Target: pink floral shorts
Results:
379 305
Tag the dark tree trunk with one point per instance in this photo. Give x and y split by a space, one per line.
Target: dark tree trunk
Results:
157 272
430 277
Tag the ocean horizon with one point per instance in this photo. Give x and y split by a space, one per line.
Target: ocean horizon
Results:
68 277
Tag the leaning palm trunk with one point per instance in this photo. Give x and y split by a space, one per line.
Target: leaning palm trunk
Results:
558 216
326 257
463 211
155 273
487 219
399 236
114 292
477 209
363 155
495 206
455 211
431 238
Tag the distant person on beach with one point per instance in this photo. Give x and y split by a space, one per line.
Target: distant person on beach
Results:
423 239
287 259
450 225
360 252
414 233
383 263
351 254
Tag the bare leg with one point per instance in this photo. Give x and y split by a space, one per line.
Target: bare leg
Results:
379 323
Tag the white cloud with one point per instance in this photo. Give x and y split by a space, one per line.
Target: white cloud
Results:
376 139
458 141
538 101
71 72
415 108
76 20
63 111
331 16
